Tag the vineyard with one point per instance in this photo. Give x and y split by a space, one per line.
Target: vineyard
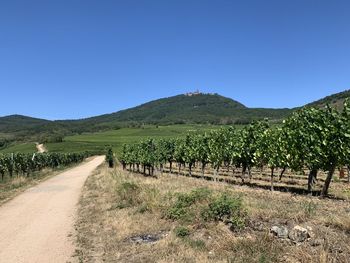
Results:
25 164
310 146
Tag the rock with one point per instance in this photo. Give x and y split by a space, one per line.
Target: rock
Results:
147 238
144 239
298 234
310 231
279 231
317 242
258 226
211 254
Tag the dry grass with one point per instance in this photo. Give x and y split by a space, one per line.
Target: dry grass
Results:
117 205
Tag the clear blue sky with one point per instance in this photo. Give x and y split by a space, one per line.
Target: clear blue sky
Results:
70 59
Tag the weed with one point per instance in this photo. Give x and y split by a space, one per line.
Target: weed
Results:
196 244
261 250
129 194
143 209
309 208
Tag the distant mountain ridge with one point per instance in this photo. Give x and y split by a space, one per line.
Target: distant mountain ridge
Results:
20 119
191 108
334 100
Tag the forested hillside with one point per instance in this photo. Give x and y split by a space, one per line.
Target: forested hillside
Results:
190 108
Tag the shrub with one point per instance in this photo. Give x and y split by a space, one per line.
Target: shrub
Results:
180 209
181 231
200 194
110 158
200 204
226 208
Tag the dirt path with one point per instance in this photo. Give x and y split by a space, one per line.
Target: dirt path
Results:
36 226
41 148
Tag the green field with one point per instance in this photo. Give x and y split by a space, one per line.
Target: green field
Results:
28 147
99 141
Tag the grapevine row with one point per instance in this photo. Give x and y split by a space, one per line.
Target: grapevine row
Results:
25 164
312 138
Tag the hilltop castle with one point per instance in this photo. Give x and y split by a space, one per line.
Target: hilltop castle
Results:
197 92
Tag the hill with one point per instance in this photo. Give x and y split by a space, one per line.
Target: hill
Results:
190 108
334 100
180 108
194 108
13 123
19 127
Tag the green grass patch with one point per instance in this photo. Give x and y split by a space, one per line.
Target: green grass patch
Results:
196 244
182 231
21 148
203 205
